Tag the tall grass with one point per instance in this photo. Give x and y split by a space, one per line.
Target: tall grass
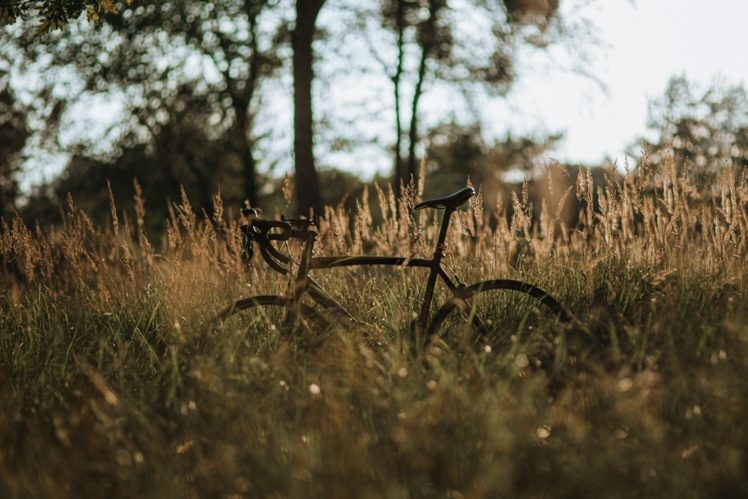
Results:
111 387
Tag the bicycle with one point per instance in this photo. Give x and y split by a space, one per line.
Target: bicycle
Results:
292 312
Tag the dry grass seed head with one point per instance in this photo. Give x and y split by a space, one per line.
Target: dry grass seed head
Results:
287 189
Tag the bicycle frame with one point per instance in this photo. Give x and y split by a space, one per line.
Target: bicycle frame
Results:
305 284
461 294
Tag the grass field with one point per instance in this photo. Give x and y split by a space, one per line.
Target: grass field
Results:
111 385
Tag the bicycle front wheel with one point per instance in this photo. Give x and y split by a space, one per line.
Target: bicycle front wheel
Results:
497 312
265 317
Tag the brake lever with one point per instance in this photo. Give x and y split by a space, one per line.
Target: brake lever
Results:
247 250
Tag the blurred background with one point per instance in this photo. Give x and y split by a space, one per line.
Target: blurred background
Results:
233 97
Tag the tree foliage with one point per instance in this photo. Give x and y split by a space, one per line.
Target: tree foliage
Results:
456 152
706 130
186 78
192 83
469 50
55 14
14 133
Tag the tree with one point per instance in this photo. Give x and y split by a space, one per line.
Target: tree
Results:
421 24
307 185
158 57
705 130
456 152
224 37
54 14
462 49
173 67
225 34
14 133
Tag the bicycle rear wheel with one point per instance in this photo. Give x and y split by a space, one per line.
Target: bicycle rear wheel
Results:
496 313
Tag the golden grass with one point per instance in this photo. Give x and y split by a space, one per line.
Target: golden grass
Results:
107 390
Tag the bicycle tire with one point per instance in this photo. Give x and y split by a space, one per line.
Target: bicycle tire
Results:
273 313
490 308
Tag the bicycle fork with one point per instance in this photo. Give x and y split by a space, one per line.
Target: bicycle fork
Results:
302 283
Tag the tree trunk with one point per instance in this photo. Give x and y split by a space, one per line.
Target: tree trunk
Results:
413 132
397 173
240 144
307 184
242 100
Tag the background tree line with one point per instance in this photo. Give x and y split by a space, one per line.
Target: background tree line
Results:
198 92
195 77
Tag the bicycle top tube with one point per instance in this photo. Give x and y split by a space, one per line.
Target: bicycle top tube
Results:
328 262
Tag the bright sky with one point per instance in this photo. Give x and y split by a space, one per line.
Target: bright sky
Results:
649 41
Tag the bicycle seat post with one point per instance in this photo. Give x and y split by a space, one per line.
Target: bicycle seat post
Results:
443 229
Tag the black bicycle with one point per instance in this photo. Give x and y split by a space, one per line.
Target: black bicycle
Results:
473 305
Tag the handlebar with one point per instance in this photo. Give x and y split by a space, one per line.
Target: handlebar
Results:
261 231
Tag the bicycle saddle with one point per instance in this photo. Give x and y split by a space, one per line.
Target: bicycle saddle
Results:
452 201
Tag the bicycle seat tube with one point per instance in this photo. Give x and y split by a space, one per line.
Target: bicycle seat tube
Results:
434 271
